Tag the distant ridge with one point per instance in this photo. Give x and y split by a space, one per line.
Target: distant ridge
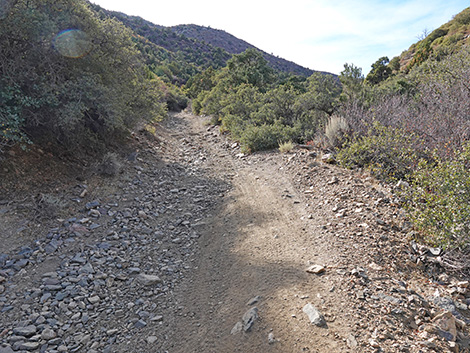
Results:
197 45
233 45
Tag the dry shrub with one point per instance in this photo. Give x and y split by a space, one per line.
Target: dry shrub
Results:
110 165
48 206
285 147
335 130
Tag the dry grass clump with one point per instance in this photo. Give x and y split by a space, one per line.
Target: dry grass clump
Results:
286 147
335 130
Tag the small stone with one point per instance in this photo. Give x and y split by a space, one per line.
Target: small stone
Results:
140 324
360 295
48 334
373 343
237 328
6 350
435 251
94 213
254 300
29 346
402 185
249 318
92 204
26 331
314 315
94 299
148 280
152 339
78 259
112 332
316 269
271 338
351 341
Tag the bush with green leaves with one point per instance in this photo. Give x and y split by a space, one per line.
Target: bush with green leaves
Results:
265 137
438 202
70 77
391 154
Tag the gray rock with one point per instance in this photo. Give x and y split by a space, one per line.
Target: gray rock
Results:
351 341
249 318
237 328
254 300
148 280
314 315
48 334
152 339
94 299
389 298
140 324
26 331
78 259
92 204
29 346
87 268
6 350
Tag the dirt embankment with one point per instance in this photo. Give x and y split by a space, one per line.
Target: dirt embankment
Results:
194 247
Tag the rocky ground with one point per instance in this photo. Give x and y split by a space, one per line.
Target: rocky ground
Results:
189 246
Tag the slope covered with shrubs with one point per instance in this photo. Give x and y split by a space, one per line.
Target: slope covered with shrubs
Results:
69 77
411 125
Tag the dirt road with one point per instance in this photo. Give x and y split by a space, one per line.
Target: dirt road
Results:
258 244
194 247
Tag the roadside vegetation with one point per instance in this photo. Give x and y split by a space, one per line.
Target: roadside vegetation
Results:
75 77
406 120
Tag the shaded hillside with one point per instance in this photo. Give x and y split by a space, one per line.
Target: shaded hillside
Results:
441 42
233 45
162 46
194 45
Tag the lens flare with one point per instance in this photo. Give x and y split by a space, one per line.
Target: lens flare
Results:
72 43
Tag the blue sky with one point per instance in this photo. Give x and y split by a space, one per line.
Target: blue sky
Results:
318 34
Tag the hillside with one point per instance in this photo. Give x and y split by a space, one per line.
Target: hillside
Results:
233 45
445 40
196 45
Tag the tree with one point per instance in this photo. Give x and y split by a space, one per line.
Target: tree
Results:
352 80
380 71
324 91
250 67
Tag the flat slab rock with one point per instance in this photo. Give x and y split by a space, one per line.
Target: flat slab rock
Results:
314 315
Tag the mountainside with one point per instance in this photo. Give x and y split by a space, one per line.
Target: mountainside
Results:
445 40
233 45
197 45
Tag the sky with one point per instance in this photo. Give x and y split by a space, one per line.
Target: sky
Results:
322 35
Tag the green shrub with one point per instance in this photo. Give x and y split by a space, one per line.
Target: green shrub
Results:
176 100
70 86
439 200
265 137
389 153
